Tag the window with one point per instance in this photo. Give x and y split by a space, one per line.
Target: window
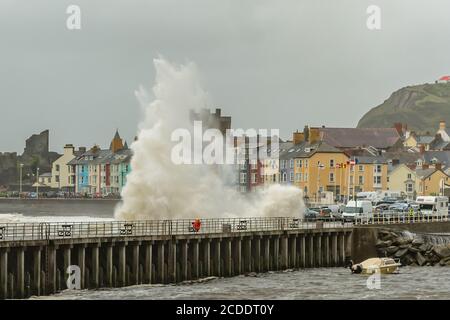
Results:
361 168
284 177
360 180
409 187
253 177
291 176
282 164
305 177
297 177
331 163
57 179
57 167
299 163
409 176
306 163
331 177
291 163
378 168
377 180
243 177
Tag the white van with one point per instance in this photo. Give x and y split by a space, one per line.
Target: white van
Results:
358 209
433 205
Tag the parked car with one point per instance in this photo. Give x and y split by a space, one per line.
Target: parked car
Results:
323 212
311 215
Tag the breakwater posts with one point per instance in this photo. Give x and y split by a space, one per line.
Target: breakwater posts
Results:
38 266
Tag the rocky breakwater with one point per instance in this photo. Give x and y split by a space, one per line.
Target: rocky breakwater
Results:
414 249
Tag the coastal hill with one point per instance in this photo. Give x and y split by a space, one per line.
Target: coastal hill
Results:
420 106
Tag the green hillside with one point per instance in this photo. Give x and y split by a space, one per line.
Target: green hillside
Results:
421 107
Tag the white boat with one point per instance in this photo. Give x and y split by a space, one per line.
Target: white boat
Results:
376 265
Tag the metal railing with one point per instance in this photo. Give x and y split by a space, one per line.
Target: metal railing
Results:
74 230
395 217
66 230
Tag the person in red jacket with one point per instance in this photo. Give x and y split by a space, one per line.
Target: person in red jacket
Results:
196 224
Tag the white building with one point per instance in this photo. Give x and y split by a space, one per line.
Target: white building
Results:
62 176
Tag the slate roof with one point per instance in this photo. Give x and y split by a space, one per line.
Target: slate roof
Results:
305 150
440 156
423 173
403 156
424 139
380 138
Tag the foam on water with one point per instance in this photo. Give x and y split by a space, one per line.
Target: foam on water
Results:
20 218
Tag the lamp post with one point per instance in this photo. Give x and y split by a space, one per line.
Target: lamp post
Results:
37 183
20 180
319 167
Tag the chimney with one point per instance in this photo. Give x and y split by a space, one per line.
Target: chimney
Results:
314 135
399 127
442 125
395 162
425 166
422 149
438 166
298 137
218 112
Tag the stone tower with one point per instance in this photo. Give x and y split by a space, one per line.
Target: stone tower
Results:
116 143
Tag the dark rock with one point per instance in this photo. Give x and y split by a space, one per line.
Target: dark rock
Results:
417 242
413 249
401 252
381 243
442 252
406 260
434 259
401 241
423 247
391 249
404 246
421 260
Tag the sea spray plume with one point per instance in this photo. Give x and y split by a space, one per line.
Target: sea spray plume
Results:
157 188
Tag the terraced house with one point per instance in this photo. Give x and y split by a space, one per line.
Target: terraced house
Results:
100 172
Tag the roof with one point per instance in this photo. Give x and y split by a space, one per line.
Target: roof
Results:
403 156
424 139
424 173
445 78
440 156
306 150
370 159
47 174
381 138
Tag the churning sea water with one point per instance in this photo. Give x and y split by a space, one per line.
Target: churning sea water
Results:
322 283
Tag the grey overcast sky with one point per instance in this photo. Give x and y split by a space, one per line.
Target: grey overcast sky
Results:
269 64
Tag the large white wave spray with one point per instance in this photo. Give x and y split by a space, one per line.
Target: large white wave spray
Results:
159 189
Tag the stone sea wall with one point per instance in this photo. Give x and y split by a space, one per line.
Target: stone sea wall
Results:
414 249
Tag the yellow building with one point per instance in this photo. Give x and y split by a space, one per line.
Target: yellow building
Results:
315 170
431 181
369 174
418 182
323 168
403 178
